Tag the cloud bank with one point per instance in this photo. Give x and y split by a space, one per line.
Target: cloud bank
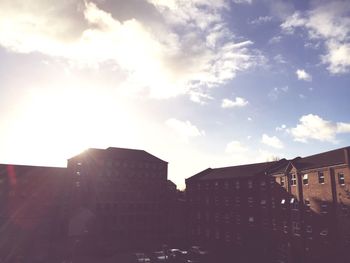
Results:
181 47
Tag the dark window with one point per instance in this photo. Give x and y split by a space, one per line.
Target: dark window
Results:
321 177
237 185
305 179
296 228
293 179
341 179
294 204
250 184
307 205
324 207
250 201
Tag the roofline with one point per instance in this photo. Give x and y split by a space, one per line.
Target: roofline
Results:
106 149
33 166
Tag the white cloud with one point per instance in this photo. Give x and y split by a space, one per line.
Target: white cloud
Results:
238 102
243 1
303 75
330 23
186 45
261 20
314 127
184 128
236 147
249 118
275 39
277 91
272 141
279 59
281 128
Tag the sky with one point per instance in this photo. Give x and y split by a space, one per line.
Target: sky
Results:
197 83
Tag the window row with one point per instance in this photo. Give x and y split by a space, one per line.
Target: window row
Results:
305 179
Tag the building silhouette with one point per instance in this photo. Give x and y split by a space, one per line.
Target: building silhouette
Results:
283 211
106 200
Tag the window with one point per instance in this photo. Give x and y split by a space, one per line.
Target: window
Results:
263 185
250 201
294 179
238 219
305 179
216 184
282 181
217 219
273 202
274 224
216 201
324 207
217 234
237 201
226 185
307 205
285 227
320 177
251 219
237 185
294 204
263 203
227 237
227 201
341 179
309 229
296 228
250 184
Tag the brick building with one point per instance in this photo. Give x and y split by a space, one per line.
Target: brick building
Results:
283 211
122 192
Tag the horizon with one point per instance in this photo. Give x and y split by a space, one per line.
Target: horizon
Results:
196 83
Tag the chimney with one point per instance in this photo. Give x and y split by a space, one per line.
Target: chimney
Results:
346 155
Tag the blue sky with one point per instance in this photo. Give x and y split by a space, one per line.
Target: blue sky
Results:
198 83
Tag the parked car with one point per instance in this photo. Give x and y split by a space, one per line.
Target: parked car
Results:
177 255
140 258
159 256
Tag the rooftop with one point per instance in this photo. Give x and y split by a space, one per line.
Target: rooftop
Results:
320 160
119 153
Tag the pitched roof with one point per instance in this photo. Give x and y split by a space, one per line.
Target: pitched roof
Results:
233 171
325 159
120 153
330 158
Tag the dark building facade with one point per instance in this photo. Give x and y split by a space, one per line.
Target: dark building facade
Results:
123 194
31 203
106 200
283 211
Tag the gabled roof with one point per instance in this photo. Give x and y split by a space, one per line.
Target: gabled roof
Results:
233 171
330 158
119 153
325 159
